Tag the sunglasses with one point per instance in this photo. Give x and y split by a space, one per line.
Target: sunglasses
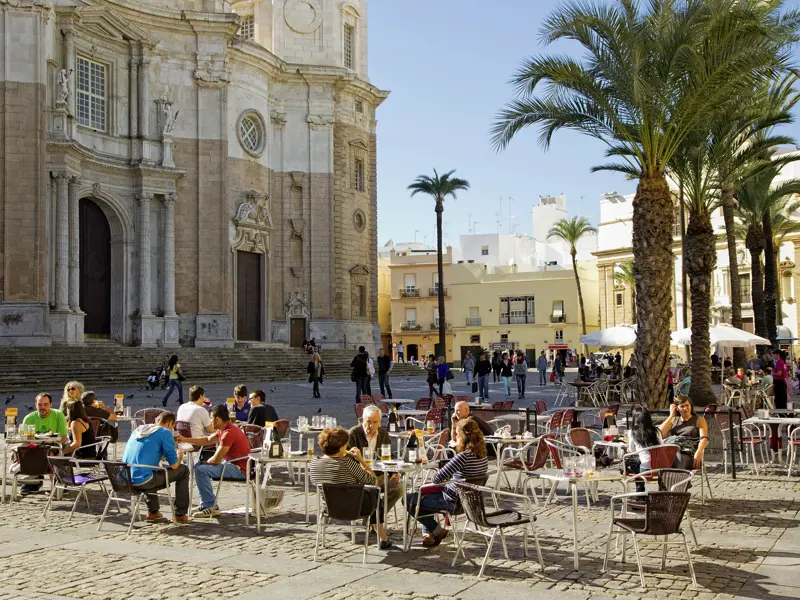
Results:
72 389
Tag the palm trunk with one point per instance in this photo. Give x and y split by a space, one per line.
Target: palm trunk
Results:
440 287
580 293
654 273
701 258
770 300
778 295
728 209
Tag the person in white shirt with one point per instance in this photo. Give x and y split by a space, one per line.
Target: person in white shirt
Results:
195 413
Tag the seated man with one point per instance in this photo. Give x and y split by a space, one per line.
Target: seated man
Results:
95 408
45 419
371 435
196 415
241 406
462 411
232 444
260 411
148 445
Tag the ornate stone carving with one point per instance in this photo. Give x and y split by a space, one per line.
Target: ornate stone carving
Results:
359 275
96 189
297 305
303 16
170 116
253 222
319 121
63 87
278 118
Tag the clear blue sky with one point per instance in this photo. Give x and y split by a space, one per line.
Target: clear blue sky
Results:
447 64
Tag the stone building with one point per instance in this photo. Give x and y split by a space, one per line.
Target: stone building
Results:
194 172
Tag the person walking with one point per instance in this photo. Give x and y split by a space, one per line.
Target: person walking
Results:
400 355
442 374
483 368
541 365
497 363
315 373
469 367
433 374
175 374
360 373
557 368
385 364
506 374
370 372
520 373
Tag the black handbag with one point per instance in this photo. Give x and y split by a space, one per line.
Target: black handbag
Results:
450 375
474 387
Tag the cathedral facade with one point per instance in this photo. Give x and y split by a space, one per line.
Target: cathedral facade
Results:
187 173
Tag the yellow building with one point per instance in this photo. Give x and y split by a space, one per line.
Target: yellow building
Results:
385 303
414 301
531 311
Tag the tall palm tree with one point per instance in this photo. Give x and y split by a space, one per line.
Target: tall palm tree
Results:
623 275
649 74
439 187
570 231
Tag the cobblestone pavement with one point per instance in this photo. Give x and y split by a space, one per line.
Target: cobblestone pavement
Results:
748 535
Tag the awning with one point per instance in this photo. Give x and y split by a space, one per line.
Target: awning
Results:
558 347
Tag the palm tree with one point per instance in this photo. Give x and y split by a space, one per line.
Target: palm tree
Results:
439 187
650 73
623 275
570 231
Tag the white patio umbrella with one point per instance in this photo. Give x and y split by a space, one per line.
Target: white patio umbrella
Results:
724 335
620 336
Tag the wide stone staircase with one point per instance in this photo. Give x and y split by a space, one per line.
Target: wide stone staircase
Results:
103 364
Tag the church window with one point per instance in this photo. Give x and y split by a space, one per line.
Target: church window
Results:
251 132
248 27
359 221
349 35
358 174
91 94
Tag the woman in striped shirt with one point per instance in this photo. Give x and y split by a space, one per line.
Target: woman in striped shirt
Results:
340 466
469 464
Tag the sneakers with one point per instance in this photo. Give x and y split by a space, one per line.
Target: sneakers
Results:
154 517
181 519
29 488
212 512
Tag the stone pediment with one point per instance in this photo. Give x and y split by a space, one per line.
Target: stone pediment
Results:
359 274
253 223
104 22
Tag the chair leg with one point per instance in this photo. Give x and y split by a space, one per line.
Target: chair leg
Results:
608 545
105 510
664 553
366 538
691 528
75 504
488 552
459 549
538 547
708 482
134 513
316 545
503 542
689 558
49 502
638 559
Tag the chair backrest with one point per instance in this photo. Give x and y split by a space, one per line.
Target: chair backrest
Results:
183 428
95 422
33 460
282 425
255 435
423 404
664 512
555 420
662 457
580 436
436 415
674 480
343 500
557 448
541 406
376 397
119 476
148 415
360 406
366 399
444 437
462 398
471 500
497 405
63 468
439 402
508 404
566 420
384 407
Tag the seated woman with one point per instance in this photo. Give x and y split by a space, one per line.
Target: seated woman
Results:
340 466
469 464
642 434
688 430
81 432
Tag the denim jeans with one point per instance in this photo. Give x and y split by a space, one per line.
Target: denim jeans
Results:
507 386
174 383
203 475
361 387
468 373
383 381
430 503
542 377
521 384
483 386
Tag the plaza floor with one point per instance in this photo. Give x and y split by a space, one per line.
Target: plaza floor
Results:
749 543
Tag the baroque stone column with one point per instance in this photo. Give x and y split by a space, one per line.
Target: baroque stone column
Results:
62 241
133 98
144 254
74 245
168 301
144 102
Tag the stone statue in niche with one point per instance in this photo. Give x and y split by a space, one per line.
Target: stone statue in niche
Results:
254 211
63 85
170 116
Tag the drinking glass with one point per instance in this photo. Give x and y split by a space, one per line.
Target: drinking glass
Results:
386 452
366 453
568 463
310 446
431 427
591 465
287 446
299 422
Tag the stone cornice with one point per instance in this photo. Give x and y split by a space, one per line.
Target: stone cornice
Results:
104 21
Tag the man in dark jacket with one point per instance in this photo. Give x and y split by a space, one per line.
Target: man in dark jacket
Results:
371 435
385 364
360 373
483 368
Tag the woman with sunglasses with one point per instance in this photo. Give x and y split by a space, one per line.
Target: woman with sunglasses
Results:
72 391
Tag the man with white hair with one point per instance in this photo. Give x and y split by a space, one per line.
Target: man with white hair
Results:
371 435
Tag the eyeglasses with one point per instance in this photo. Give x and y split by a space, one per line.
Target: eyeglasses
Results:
72 389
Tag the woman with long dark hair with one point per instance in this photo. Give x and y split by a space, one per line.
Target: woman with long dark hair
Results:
175 374
641 434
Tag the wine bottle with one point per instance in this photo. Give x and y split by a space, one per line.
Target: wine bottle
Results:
393 421
411 444
275 446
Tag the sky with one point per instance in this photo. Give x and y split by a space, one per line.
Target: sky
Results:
447 64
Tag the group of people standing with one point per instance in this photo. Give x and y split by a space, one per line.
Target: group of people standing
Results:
363 371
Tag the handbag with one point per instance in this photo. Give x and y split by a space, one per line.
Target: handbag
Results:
552 376
474 387
446 389
450 376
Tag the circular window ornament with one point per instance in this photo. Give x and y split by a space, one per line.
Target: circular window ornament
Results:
303 16
359 221
251 132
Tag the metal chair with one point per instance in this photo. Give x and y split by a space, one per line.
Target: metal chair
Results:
671 480
508 405
32 463
183 428
471 499
366 399
581 436
794 442
423 404
342 501
661 457
119 476
541 407
66 475
438 448
255 436
517 458
558 451
663 515
148 416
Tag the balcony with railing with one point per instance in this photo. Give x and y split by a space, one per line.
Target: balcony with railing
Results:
558 318
473 321
517 319
435 325
410 326
434 291
409 292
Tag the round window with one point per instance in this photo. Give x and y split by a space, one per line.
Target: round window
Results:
359 220
251 132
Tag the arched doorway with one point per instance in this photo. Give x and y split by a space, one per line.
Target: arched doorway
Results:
95 269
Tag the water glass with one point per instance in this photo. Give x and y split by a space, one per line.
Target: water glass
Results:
310 446
287 446
386 452
591 465
366 453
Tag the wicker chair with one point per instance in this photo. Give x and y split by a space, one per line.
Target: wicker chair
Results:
32 463
282 425
65 471
662 518
554 424
360 409
342 502
148 416
471 499
183 428
497 405
671 480
119 476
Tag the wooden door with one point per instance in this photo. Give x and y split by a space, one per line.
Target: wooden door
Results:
298 333
95 268
249 296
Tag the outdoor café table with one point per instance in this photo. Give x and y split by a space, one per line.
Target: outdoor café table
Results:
411 412
19 441
775 437
404 469
499 442
398 402
581 388
188 452
263 461
301 433
557 477
404 435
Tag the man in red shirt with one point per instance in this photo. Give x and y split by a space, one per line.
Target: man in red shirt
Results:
232 445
